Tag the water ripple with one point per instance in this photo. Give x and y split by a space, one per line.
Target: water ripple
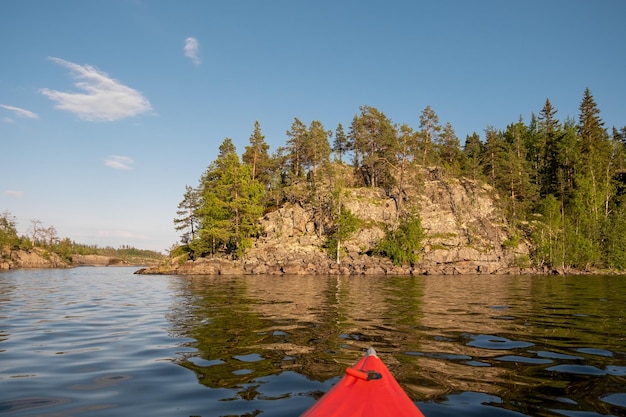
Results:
99 341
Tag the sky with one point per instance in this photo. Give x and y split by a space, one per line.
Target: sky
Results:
108 109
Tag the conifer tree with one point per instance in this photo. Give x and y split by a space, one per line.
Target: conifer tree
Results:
596 156
295 147
231 205
590 125
341 144
187 220
8 230
534 145
473 150
407 141
256 155
495 158
428 135
521 189
449 148
375 147
316 148
551 134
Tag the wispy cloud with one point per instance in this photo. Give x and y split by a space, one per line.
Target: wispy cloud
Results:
14 193
192 50
104 99
18 112
119 162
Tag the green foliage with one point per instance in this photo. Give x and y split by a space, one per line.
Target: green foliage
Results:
8 231
472 150
295 148
257 157
65 247
180 250
549 236
564 178
428 136
187 220
403 244
341 144
231 204
449 149
345 226
511 243
615 231
375 147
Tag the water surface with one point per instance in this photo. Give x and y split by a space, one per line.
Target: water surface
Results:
102 341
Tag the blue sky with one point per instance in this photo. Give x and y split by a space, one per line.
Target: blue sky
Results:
109 108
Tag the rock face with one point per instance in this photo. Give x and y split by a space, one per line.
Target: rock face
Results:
465 234
41 258
34 258
97 260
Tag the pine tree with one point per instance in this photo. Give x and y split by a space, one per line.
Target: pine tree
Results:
550 131
187 220
407 141
231 205
316 148
375 147
256 155
295 147
534 145
590 125
428 135
495 158
521 189
505 171
341 144
8 230
596 156
473 150
449 149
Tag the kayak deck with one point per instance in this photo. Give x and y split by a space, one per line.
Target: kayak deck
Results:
367 389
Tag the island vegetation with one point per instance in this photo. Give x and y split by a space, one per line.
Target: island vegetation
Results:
560 184
45 241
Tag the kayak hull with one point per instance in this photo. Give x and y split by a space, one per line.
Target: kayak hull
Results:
367 389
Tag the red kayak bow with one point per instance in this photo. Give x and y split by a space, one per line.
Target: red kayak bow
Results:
367 389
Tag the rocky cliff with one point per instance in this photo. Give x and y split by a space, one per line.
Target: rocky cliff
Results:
41 258
466 233
33 258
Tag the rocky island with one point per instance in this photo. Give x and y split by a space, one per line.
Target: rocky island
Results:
544 196
464 233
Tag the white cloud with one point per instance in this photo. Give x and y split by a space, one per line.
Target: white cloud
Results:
105 98
14 193
19 112
192 48
119 162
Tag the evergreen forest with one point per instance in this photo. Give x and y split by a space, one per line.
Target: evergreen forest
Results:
561 183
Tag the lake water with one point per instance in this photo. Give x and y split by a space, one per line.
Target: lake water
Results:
103 342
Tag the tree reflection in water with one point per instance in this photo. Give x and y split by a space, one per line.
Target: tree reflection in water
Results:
530 344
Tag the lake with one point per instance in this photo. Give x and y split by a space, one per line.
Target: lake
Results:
103 341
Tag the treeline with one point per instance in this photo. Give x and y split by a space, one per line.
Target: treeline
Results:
46 238
560 182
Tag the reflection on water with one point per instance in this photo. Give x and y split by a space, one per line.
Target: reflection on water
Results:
102 341
534 345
